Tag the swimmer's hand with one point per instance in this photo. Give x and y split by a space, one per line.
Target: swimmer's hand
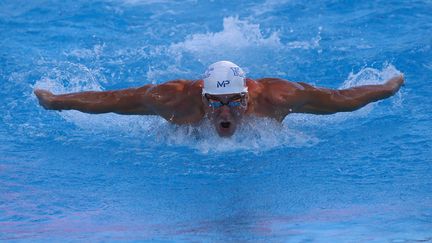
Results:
45 98
395 83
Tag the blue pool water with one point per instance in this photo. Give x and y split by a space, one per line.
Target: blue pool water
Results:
364 176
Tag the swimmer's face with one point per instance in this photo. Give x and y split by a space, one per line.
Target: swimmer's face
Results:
225 111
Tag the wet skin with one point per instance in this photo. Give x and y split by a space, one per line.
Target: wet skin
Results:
182 102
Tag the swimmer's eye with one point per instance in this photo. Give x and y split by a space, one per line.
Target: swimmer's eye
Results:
214 103
239 101
236 100
213 100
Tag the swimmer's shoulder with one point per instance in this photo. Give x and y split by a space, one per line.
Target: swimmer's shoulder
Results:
178 101
266 85
179 86
275 97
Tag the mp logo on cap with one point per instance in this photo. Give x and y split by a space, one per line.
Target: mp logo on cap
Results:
224 77
223 83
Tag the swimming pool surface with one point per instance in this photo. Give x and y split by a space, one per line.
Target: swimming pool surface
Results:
364 176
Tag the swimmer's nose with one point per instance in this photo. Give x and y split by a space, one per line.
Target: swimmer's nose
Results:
225 111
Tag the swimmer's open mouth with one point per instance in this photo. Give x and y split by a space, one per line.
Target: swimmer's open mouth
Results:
225 124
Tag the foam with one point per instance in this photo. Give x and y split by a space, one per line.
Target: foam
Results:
236 34
368 76
239 41
254 135
62 77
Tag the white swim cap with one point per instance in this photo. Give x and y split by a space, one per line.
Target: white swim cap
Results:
224 77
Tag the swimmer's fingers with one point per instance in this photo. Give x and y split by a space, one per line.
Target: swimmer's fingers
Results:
45 98
403 79
395 83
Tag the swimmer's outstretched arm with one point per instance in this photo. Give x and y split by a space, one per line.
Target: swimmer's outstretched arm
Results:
159 99
328 101
126 101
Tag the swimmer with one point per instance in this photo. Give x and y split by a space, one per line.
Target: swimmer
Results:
224 96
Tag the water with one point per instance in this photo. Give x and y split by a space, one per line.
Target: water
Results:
364 176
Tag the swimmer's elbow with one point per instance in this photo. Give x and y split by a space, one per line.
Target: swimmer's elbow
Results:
332 105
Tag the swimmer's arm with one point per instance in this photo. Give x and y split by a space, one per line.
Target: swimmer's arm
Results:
127 101
328 101
172 100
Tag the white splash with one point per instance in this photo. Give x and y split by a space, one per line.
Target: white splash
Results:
238 37
236 34
255 135
368 76
62 77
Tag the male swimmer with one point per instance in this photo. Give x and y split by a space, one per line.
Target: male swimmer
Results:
224 96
